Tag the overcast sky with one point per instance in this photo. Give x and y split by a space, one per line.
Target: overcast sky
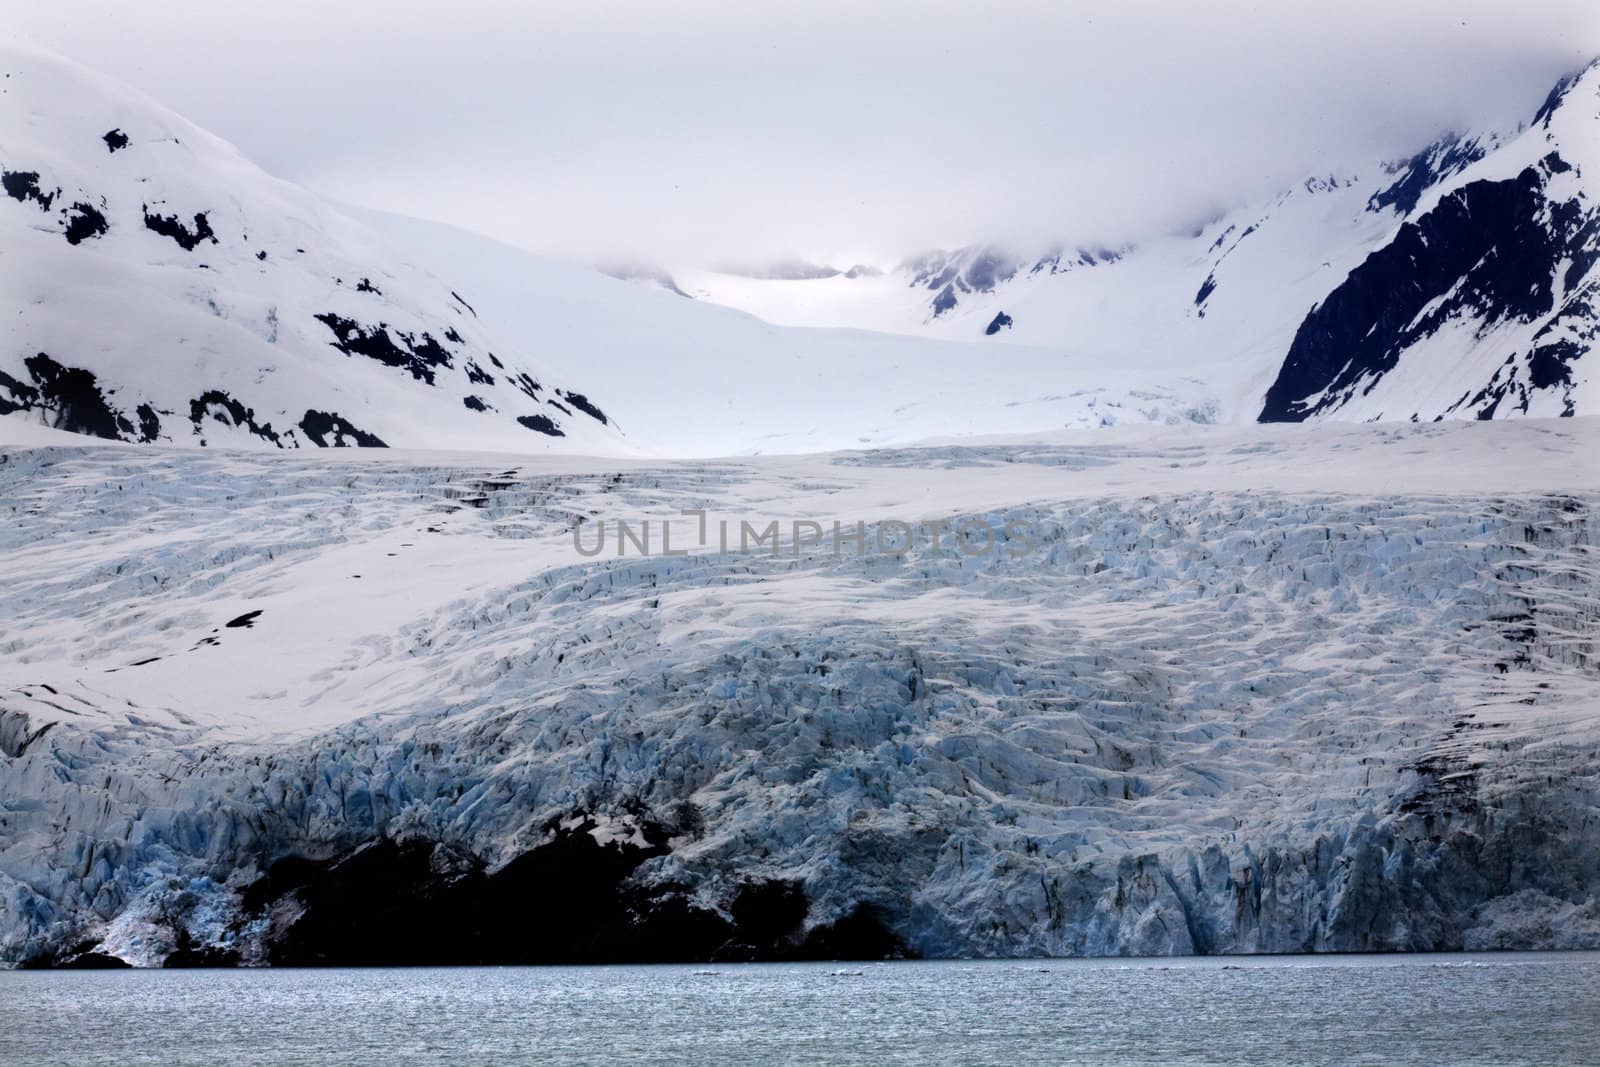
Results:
844 132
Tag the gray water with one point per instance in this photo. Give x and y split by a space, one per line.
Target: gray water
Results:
1490 1009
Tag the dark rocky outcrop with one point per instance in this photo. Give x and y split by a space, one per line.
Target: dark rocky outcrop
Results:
334 431
171 226
581 402
217 406
1427 168
568 900
149 423
83 957
1489 252
71 397
83 222
542 424
23 185
418 354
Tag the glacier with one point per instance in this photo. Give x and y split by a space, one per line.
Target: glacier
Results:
1253 690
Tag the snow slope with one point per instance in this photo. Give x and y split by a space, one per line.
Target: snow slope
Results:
1487 298
1396 293
159 287
167 290
1260 689
689 378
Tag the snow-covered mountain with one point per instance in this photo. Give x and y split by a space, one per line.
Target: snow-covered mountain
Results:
689 378
167 290
1487 297
158 287
1209 690
1458 283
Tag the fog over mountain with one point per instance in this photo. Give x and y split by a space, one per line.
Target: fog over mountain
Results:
840 133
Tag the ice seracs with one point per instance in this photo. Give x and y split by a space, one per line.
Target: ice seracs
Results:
1280 689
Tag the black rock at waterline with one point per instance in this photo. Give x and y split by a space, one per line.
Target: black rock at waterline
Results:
84 956
188 954
567 901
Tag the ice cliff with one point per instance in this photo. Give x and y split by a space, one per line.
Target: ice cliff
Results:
1252 691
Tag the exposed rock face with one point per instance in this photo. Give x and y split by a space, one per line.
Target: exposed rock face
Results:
1449 155
1458 282
1493 253
949 275
1483 302
568 900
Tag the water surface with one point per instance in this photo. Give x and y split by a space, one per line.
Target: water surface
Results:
1502 1009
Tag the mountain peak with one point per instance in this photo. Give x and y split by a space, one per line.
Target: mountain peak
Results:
784 269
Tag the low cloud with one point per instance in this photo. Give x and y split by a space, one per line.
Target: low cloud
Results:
840 132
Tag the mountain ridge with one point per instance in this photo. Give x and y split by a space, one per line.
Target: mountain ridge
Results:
1255 284
167 290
